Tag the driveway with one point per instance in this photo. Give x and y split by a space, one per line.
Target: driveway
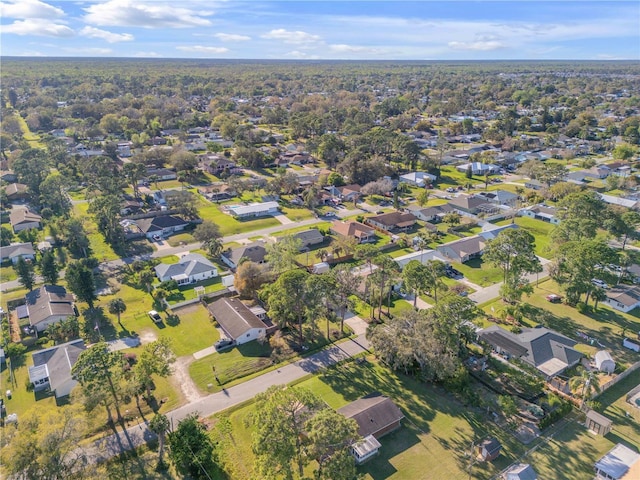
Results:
282 218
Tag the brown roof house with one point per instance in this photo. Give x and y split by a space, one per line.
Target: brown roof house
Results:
392 222
47 305
23 219
468 203
376 416
362 233
52 368
16 192
237 321
464 249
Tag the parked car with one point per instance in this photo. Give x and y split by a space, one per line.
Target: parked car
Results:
223 343
599 283
157 238
155 316
553 298
330 214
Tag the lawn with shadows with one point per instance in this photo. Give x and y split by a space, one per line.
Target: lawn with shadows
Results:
479 272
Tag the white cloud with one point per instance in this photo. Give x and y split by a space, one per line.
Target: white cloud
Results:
481 46
344 48
39 27
137 13
294 37
30 9
146 54
110 37
301 55
232 37
202 49
88 51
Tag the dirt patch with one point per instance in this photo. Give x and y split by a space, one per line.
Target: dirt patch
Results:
147 336
182 380
194 307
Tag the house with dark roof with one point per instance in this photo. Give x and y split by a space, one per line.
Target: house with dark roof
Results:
191 268
310 237
623 297
16 192
237 321
162 174
621 463
16 251
162 225
464 249
376 416
52 368
392 221
433 214
491 231
47 305
489 449
468 203
533 184
253 252
500 197
548 351
24 219
351 229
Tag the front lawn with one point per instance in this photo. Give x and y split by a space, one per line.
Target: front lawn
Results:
479 272
7 273
296 214
539 229
229 225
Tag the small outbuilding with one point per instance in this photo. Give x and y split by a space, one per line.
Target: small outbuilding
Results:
237 321
604 362
598 423
521 471
365 449
489 449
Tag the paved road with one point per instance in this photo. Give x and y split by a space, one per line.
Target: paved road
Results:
139 433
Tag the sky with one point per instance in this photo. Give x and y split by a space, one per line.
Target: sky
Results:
346 30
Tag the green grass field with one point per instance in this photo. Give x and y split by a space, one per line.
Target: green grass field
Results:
99 248
7 273
229 225
539 229
479 272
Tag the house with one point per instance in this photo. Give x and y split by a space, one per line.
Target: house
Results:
464 249
541 212
392 221
478 168
216 164
161 174
162 225
237 321
217 192
604 362
124 149
430 214
521 471
130 207
623 297
622 202
365 449
309 237
16 251
548 351
52 368
349 193
500 197
362 233
599 171
468 203
253 252
621 463
16 192
375 415
418 179
598 423
253 209
533 184
191 268
423 256
489 449
8 176
47 305
23 219
491 231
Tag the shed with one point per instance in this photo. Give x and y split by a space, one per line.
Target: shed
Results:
598 423
322 267
489 449
365 449
521 471
604 362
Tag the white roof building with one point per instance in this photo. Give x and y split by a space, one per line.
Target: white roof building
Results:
621 463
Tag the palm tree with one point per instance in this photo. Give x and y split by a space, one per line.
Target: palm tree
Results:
587 382
159 425
116 307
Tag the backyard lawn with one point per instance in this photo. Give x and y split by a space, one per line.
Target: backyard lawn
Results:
7 273
99 247
478 272
539 229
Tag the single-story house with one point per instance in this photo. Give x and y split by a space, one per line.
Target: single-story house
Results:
546 350
604 362
500 197
350 193
621 463
254 209
309 237
16 192
190 269
52 368
623 297
392 221
521 471
622 202
161 174
478 168
47 305
541 212
17 250
124 149
23 219
489 449
162 225
237 321
422 256
430 214
365 449
419 179
598 423
464 249
468 203
254 252
633 271
533 184
130 207
491 231
362 233
217 192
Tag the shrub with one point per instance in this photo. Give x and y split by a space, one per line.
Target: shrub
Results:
582 307
555 415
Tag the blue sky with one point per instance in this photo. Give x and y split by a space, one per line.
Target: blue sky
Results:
421 30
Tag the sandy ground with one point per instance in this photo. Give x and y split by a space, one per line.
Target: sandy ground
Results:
183 381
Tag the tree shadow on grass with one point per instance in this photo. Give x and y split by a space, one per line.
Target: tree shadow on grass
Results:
393 444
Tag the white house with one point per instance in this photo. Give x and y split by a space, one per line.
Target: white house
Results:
616 464
478 168
237 321
624 297
15 251
190 269
541 212
419 179
52 368
254 209
604 362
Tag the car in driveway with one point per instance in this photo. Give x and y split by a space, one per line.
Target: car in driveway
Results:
599 283
157 238
223 344
330 214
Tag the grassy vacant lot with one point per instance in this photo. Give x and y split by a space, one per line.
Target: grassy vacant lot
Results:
7 272
539 229
99 247
297 214
451 177
479 272
606 324
432 443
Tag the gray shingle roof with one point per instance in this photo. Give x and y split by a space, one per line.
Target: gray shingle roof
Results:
158 223
255 252
47 301
372 413
15 250
191 264
234 317
59 360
